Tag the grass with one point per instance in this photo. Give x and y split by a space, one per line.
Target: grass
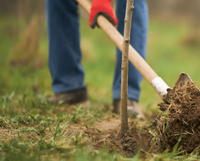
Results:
32 129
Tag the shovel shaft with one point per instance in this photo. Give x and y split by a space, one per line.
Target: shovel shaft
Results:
117 38
134 57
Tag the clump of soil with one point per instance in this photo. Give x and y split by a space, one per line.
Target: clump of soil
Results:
129 144
180 119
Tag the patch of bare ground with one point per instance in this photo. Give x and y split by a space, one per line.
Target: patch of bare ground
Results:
107 133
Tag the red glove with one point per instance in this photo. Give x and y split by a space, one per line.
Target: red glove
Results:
102 7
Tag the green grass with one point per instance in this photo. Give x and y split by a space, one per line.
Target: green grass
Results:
37 130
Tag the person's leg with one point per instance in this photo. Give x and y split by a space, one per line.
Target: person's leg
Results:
64 52
138 40
64 45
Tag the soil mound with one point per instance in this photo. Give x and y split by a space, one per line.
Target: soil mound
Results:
179 122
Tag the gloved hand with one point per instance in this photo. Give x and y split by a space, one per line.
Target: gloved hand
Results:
102 7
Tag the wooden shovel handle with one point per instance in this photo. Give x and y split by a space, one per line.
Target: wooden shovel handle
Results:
141 65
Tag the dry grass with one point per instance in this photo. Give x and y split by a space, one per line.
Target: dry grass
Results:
26 50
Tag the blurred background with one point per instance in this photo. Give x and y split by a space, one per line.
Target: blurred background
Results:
173 47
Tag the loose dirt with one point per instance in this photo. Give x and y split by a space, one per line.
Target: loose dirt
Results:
179 124
180 119
106 134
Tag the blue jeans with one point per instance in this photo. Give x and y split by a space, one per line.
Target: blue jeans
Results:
64 46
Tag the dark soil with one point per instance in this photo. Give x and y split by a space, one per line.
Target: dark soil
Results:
129 144
180 119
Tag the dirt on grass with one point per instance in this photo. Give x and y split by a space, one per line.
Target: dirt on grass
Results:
178 127
179 123
106 133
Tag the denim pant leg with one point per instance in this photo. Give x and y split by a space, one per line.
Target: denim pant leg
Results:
138 40
64 45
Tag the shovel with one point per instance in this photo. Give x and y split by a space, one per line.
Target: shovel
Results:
140 64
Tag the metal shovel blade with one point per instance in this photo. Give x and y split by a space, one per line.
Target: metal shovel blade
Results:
185 78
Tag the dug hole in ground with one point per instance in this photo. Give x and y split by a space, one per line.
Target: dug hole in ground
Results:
178 124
